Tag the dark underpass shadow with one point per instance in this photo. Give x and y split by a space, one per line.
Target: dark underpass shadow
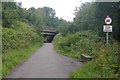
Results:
49 35
48 39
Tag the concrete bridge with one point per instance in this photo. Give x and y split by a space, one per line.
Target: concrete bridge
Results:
48 35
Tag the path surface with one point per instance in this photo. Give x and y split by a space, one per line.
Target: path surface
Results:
45 63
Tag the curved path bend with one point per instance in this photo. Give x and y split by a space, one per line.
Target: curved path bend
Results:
45 63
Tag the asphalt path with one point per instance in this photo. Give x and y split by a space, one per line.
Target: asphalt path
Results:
45 63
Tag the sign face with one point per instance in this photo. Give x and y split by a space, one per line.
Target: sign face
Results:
107 28
108 20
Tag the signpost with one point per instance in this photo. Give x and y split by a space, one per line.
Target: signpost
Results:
107 28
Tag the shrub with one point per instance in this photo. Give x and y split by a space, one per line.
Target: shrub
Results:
21 37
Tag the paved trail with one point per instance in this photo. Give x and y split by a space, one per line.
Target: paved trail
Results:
45 63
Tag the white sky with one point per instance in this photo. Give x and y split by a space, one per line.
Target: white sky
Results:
64 8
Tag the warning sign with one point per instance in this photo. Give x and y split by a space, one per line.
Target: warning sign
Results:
107 28
108 20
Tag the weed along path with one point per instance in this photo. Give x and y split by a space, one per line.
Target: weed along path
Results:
45 63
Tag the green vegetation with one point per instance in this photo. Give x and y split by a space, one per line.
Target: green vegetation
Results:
89 43
18 38
77 43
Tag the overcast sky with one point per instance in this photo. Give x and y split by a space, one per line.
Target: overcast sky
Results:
64 8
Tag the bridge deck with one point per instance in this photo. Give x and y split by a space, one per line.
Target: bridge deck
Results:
52 34
49 31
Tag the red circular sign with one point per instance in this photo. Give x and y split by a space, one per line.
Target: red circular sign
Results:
108 20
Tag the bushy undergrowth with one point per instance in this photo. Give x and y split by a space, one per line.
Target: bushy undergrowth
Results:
19 36
78 43
89 43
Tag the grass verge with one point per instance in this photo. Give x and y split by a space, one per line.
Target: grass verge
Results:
11 58
83 71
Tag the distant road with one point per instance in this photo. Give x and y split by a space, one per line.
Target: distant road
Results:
45 63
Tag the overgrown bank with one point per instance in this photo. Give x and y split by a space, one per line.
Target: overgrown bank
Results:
88 42
18 42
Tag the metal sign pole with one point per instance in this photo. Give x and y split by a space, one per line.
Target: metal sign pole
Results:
107 28
107 42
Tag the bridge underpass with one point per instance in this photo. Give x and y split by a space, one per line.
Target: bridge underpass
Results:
49 35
